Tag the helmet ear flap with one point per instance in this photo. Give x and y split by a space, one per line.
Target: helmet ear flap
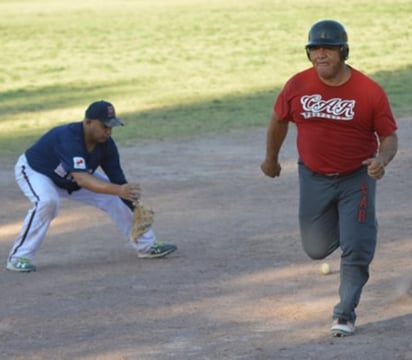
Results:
308 53
344 50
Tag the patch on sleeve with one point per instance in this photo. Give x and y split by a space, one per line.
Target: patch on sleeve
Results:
79 163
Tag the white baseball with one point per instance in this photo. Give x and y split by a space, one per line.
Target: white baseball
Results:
325 268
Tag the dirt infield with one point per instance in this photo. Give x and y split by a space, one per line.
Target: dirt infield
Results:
239 287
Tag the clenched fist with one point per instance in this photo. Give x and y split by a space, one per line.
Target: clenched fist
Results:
271 168
376 167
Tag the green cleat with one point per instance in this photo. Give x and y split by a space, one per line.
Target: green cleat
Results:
21 265
158 249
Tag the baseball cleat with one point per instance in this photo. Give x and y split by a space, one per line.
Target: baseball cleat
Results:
158 249
341 328
20 265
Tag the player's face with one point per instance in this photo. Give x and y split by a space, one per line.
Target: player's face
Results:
327 61
100 132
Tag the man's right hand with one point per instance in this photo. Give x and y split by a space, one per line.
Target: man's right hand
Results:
130 191
271 168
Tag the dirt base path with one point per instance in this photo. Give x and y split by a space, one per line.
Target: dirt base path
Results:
239 287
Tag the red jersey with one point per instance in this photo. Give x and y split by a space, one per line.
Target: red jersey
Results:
337 126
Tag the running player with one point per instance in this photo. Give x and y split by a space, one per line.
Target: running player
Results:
346 136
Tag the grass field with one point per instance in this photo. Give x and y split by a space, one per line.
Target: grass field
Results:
175 68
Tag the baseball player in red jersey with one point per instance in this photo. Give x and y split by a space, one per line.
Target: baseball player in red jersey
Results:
346 136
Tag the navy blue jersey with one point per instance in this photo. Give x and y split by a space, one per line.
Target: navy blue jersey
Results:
62 150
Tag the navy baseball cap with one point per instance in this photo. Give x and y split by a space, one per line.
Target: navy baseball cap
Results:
103 111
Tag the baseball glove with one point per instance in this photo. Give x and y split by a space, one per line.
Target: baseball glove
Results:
142 221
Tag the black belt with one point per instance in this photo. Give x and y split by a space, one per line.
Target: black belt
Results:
336 174
333 175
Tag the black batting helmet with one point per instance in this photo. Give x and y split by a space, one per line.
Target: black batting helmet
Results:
328 33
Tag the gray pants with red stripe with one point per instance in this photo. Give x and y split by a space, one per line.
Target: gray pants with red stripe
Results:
340 212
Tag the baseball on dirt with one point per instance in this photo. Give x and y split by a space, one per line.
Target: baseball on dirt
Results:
325 269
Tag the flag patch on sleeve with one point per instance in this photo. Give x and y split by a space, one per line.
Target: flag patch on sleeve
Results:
79 163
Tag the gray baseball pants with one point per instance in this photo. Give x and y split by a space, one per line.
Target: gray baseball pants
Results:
339 211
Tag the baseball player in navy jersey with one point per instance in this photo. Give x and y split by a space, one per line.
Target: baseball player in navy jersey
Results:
346 136
62 164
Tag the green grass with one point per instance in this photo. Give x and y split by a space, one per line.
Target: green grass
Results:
176 68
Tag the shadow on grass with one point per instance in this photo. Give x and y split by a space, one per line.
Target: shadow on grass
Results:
215 115
398 85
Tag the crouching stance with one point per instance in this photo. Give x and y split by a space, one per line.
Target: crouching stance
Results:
62 164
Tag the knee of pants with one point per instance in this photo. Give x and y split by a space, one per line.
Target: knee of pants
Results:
316 253
358 254
318 247
48 208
